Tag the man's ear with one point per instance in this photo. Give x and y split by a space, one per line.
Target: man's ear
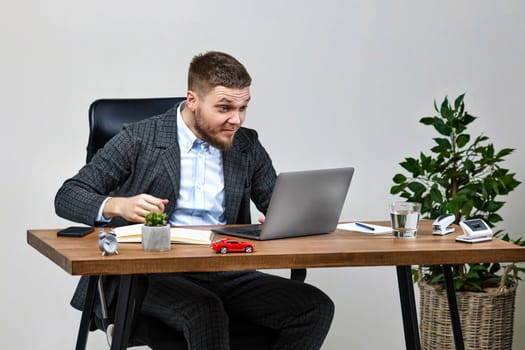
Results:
191 100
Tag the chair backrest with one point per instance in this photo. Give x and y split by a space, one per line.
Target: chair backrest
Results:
107 116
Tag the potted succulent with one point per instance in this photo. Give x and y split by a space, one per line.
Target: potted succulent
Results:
156 233
463 176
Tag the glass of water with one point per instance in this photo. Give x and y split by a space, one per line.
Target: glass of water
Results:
405 219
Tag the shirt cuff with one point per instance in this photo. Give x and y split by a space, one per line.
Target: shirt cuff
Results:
100 217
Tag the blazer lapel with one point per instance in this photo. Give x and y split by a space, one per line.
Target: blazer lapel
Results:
167 139
235 176
171 161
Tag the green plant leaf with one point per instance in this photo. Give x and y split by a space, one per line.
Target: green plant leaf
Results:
438 149
467 119
435 195
410 164
493 218
489 151
504 152
436 279
473 286
426 205
451 208
469 165
415 275
472 275
446 112
444 143
466 208
491 281
416 187
520 241
425 162
458 284
427 120
397 188
480 138
459 101
478 267
462 140
493 206
442 128
494 268
399 178
510 183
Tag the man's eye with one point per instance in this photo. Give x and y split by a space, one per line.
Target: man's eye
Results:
223 108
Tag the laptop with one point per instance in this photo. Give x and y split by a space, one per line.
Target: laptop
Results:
303 203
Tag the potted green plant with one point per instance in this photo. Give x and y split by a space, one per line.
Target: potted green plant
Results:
156 232
462 175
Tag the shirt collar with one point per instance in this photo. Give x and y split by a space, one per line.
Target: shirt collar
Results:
187 139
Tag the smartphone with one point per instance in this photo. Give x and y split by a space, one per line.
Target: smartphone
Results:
75 231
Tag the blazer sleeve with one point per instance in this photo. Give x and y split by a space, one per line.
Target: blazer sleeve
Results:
249 176
263 178
81 196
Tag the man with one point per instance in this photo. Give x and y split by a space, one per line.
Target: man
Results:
197 164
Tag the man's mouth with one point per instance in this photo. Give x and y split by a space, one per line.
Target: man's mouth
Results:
228 132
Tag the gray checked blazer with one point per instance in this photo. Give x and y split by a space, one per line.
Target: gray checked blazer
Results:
145 158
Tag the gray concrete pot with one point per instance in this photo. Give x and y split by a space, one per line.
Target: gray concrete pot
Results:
156 238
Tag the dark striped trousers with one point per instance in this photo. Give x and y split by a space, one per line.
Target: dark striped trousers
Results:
200 304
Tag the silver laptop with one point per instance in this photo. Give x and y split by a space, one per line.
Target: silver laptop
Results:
303 203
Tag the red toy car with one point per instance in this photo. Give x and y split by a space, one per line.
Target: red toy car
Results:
226 245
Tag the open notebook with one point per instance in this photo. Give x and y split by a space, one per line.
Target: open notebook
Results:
132 234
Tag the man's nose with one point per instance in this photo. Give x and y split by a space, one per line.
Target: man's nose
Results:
235 118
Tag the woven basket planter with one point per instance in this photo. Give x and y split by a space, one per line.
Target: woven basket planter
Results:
487 319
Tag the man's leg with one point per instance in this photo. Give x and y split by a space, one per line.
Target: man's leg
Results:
184 305
301 312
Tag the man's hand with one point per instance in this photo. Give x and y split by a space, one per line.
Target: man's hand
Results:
134 209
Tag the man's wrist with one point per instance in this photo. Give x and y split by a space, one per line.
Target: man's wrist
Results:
104 212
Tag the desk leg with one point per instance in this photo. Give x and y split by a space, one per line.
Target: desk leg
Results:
124 312
87 313
453 306
408 307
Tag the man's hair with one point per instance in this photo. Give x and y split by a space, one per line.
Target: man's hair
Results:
216 68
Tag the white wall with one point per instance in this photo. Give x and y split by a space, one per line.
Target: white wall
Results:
335 83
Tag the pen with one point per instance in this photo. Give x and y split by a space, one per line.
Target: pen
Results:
365 226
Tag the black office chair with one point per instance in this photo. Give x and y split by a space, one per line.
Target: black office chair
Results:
106 118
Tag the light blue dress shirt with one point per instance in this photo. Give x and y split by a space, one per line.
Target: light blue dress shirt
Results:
201 193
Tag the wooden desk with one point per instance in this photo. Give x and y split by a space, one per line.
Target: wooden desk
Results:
81 256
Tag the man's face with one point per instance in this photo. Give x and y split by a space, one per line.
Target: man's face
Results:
219 114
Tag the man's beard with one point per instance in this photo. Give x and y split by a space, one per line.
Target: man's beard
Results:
208 135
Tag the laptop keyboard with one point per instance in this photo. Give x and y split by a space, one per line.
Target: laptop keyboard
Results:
251 230
247 231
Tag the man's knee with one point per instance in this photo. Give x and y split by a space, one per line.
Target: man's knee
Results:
208 308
